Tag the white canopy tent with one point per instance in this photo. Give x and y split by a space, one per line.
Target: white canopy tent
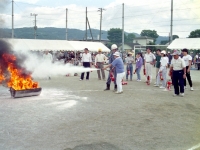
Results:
92 46
189 43
55 45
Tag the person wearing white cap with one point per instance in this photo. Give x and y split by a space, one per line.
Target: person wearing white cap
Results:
129 66
111 59
119 67
178 69
99 62
162 70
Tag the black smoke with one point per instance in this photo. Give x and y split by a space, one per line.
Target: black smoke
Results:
8 56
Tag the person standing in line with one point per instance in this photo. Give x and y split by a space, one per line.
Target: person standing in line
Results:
169 58
158 57
139 63
163 70
86 62
129 66
48 58
178 69
99 62
111 59
149 61
198 62
119 66
188 62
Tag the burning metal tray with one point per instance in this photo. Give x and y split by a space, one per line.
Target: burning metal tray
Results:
25 93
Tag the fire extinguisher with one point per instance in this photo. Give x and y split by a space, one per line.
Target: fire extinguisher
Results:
148 80
135 71
144 71
169 83
170 73
161 77
112 76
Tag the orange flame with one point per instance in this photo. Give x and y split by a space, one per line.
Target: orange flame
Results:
18 80
1 76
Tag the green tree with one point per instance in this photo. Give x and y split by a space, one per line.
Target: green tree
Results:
115 35
175 37
129 38
153 48
150 33
167 41
195 34
164 42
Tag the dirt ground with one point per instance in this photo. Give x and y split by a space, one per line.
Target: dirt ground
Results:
78 115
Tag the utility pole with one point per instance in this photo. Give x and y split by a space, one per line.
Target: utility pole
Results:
122 27
171 34
86 26
100 9
90 29
66 22
35 27
12 18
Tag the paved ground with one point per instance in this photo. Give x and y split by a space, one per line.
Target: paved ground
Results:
78 115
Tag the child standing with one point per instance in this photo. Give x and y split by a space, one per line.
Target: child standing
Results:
139 63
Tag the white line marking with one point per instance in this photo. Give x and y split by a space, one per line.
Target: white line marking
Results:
195 147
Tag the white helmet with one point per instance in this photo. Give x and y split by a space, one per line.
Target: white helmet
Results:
114 46
163 52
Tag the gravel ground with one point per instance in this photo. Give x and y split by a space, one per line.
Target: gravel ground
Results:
78 115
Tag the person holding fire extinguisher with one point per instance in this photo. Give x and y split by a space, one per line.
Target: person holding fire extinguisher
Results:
129 66
162 72
119 67
112 70
149 61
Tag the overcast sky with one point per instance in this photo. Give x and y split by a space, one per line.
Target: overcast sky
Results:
139 14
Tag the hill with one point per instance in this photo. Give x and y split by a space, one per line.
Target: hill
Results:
60 34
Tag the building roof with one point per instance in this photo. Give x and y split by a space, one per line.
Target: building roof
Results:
55 45
143 37
189 43
129 45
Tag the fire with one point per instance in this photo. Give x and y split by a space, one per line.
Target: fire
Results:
1 75
18 80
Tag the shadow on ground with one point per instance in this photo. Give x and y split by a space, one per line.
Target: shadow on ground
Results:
95 146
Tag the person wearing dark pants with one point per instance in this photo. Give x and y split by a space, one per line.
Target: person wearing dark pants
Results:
85 65
86 62
188 62
111 59
178 69
178 81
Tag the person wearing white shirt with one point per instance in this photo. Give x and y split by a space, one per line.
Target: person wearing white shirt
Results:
188 62
99 62
47 56
149 61
162 70
178 69
129 66
86 62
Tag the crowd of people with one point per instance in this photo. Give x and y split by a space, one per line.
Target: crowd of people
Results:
177 65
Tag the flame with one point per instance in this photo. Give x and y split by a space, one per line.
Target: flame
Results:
1 76
18 80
